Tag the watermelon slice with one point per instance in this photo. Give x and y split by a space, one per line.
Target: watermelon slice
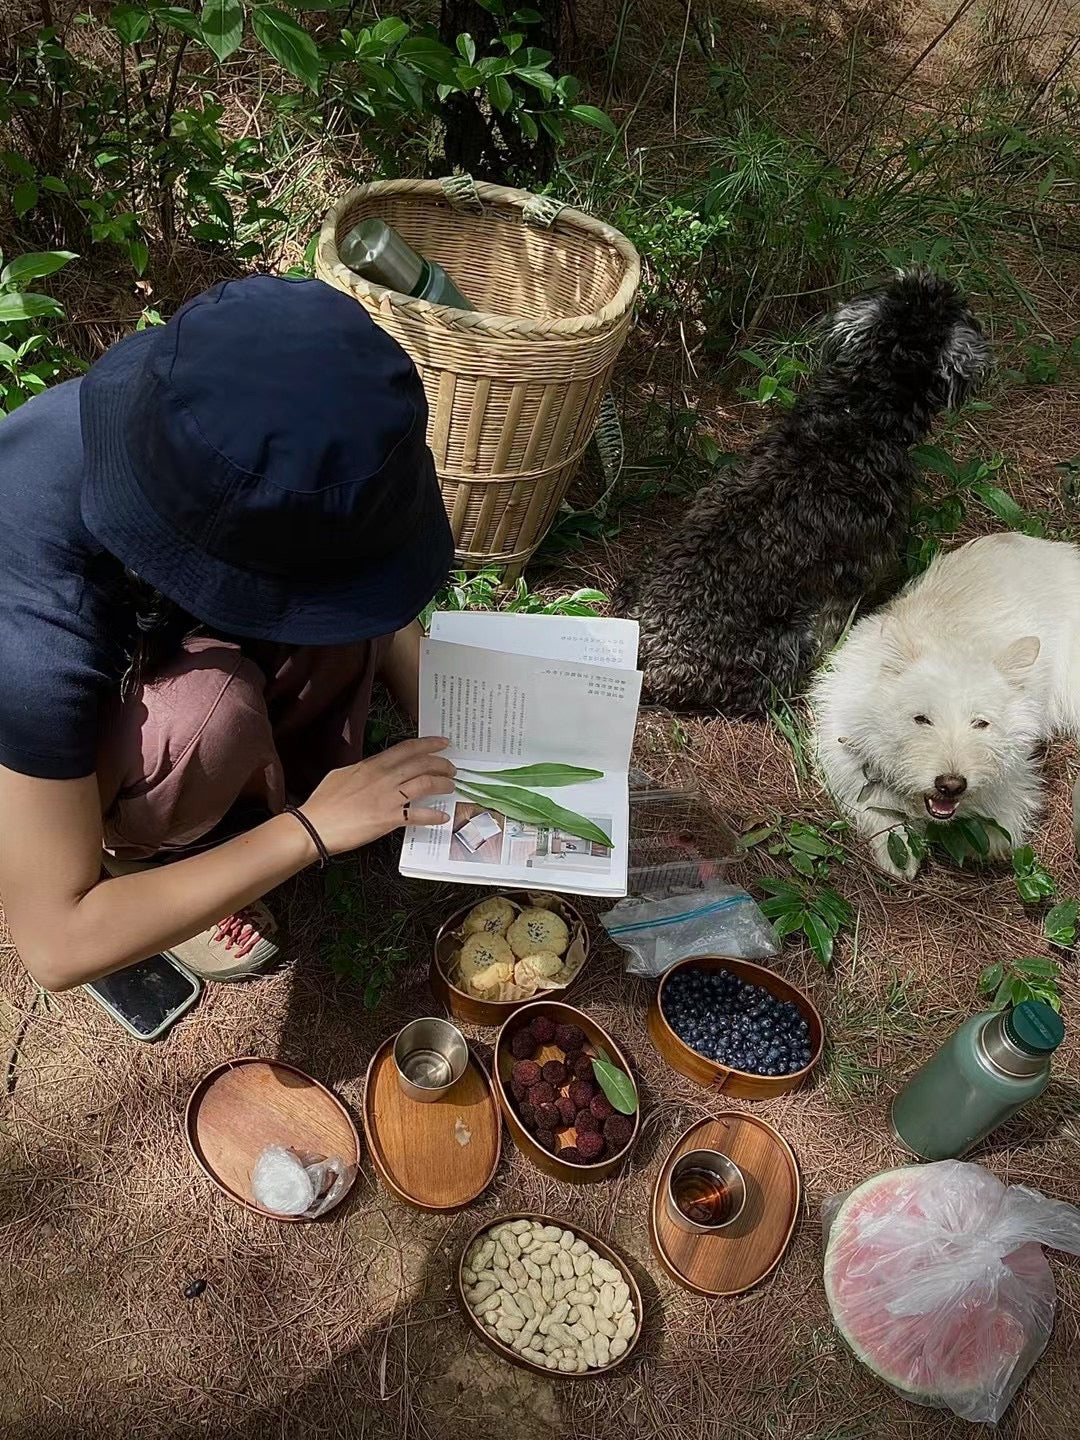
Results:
924 1301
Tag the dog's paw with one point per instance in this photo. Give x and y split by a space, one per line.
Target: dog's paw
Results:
879 845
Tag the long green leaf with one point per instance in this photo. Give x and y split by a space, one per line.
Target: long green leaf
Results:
536 809
289 43
617 1086
34 266
223 26
549 776
27 306
820 937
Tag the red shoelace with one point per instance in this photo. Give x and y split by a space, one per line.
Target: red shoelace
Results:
239 932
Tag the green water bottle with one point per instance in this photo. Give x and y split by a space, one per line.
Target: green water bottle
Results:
378 253
982 1074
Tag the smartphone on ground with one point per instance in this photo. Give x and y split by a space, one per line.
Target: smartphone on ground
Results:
147 998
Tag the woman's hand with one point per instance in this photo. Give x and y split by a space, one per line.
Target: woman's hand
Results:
360 803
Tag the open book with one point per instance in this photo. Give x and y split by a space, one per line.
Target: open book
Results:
513 691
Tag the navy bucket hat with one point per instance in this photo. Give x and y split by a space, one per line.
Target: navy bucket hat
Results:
261 460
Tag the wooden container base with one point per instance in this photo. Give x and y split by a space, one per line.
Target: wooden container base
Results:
420 1151
744 1253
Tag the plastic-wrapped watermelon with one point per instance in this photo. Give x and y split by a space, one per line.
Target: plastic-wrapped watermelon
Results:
936 1278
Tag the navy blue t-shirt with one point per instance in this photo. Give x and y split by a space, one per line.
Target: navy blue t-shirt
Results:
58 587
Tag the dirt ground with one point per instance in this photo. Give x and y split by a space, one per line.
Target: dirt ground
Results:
350 1327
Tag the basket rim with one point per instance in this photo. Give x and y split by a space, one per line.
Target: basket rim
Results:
481 322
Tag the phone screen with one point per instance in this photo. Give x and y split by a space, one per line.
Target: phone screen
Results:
146 994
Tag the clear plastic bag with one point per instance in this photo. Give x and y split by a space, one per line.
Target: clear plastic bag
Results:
716 920
291 1184
936 1278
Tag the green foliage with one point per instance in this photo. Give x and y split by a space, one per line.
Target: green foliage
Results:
1034 882
1033 977
368 949
485 590
947 488
815 911
138 147
29 359
777 378
1060 924
966 841
805 905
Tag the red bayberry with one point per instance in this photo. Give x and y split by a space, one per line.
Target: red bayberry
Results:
571 1154
525 1072
585 1122
554 1072
583 1068
527 1113
617 1131
569 1037
565 1107
522 1045
547 1117
581 1092
547 1139
601 1107
543 1029
590 1146
541 1094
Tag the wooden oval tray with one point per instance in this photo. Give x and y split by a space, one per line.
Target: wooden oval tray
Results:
244 1105
744 1253
503 1063
415 1147
507 1351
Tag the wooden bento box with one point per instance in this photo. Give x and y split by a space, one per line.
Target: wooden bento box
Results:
596 1039
603 1250
712 1073
464 1006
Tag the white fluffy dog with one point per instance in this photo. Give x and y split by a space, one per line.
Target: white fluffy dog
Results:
934 706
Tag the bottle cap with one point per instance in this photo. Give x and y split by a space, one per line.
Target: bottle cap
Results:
1035 1026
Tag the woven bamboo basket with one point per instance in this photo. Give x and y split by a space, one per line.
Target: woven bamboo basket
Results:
515 386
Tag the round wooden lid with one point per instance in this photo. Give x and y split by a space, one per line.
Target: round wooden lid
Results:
739 1256
244 1105
436 1156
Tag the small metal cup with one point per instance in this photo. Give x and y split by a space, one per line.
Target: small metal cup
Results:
430 1056
718 1165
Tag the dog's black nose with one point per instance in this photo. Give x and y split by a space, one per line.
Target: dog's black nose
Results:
950 785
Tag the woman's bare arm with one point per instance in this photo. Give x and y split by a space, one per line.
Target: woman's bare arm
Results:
71 926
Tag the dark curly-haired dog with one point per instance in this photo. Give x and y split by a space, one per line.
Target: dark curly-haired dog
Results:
733 604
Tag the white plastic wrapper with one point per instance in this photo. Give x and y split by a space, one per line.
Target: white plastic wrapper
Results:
715 920
937 1280
288 1185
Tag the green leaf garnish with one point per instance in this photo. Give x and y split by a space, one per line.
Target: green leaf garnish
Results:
617 1086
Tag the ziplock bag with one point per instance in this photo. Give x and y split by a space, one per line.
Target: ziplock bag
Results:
715 920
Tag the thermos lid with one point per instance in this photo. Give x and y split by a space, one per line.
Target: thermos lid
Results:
1035 1026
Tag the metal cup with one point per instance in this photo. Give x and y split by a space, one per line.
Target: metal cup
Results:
715 1166
430 1056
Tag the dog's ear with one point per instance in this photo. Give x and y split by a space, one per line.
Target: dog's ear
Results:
848 329
1018 657
898 648
965 362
